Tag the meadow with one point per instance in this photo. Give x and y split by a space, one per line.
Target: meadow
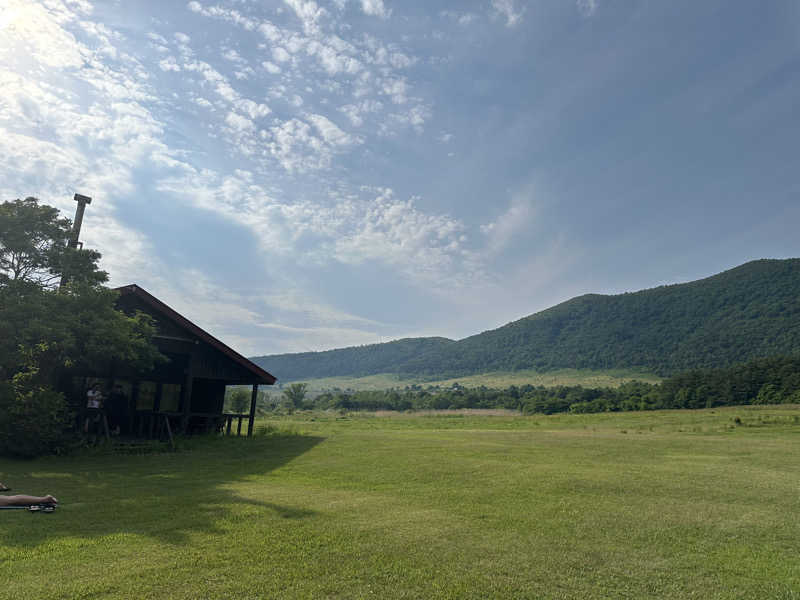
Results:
498 379
672 504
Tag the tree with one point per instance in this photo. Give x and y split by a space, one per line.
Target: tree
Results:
33 247
238 400
47 329
295 394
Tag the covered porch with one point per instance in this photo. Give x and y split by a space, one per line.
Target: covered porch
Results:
184 395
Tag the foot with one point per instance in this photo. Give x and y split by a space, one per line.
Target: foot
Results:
49 500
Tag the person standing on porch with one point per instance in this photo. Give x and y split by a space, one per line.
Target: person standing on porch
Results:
94 402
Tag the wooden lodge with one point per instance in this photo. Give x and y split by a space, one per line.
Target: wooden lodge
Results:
186 394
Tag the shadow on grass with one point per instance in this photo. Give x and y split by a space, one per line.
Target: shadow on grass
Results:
201 489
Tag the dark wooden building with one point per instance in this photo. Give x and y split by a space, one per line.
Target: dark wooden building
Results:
186 393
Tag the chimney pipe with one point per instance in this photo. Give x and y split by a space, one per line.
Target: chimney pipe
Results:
76 225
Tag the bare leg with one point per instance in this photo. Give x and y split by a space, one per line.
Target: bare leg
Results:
21 500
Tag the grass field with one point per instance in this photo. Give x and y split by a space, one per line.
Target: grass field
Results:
585 377
679 504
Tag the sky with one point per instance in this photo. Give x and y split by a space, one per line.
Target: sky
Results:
302 175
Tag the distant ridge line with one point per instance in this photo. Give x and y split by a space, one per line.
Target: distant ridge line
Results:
750 311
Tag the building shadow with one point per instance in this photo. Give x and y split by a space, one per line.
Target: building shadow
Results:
169 496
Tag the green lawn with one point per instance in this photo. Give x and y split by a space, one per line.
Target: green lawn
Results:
680 504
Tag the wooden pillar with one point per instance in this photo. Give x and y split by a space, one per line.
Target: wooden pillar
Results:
253 398
186 393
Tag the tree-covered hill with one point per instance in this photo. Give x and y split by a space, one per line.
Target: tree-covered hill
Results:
356 361
748 312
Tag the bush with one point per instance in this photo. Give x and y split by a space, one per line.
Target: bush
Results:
32 421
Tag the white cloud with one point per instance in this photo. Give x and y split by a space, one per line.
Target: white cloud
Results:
515 219
587 7
330 132
460 18
308 12
244 73
375 8
361 66
233 56
271 67
298 149
169 64
158 38
396 89
73 123
239 123
356 112
424 249
222 87
508 10
280 54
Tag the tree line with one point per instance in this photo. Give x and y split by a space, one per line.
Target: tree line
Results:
763 381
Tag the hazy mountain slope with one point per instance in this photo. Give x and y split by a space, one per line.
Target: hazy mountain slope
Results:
354 361
748 312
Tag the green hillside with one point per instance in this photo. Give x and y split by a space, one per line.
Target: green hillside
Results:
748 312
357 361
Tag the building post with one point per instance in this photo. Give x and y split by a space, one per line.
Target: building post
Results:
253 398
186 393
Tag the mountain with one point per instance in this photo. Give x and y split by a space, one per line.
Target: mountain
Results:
356 361
748 312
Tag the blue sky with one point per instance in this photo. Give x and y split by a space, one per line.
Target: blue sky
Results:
298 175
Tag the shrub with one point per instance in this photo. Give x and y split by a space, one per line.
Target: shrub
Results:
32 421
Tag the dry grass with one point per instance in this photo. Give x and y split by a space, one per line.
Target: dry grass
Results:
472 412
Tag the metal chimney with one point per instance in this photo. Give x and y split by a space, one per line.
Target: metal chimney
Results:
76 229
76 225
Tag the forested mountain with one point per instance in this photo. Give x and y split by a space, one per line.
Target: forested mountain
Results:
748 312
356 361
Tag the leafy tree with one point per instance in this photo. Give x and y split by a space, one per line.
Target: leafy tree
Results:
47 329
33 247
295 394
238 400
31 419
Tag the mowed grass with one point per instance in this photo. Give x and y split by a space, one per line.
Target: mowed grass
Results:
678 504
501 379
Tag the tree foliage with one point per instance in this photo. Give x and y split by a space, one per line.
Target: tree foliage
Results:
33 247
32 419
46 329
295 394
238 400
764 381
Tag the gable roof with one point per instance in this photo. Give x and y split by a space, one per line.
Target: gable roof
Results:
159 306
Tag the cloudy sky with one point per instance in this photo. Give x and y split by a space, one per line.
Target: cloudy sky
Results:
301 175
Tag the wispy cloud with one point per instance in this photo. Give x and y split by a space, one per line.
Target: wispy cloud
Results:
587 7
515 219
375 8
508 10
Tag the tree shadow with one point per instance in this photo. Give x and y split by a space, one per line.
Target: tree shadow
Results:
169 496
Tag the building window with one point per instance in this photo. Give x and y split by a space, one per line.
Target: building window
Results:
170 397
146 398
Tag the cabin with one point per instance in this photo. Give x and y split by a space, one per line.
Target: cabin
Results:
186 394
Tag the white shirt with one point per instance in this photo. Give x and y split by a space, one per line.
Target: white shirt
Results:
93 398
